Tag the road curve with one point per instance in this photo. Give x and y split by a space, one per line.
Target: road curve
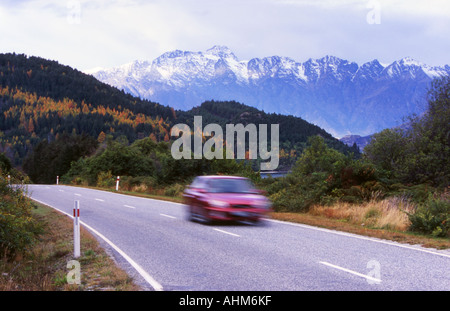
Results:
164 251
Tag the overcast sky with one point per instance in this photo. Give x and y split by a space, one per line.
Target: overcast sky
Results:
104 33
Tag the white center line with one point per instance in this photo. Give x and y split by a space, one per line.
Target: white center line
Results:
78 195
351 271
226 232
100 200
167 216
129 206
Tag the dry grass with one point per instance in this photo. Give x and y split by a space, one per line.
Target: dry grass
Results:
44 267
385 219
140 188
385 214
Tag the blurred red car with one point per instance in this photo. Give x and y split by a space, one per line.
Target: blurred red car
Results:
225 198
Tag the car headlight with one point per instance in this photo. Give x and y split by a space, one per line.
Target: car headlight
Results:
218 203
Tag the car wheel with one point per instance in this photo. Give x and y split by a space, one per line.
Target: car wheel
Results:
189 213
254 221
204 217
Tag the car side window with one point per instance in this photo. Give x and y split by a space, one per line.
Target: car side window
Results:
198 183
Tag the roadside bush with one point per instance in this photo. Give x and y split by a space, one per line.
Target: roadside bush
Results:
18 229
418 194
174 190
322 175
294 194
79 181
419 153
106 179
5 163
138 184
433 217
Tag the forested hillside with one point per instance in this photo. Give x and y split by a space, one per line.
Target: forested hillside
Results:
42 100
293 131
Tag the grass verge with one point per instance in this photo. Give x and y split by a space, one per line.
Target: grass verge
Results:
44 267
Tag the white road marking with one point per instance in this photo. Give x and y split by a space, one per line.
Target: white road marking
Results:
351 235
100 200
167 216
350 271
78 195
226 232
139 269
129 206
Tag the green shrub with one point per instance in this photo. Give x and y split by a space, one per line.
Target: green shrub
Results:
5 163
18 229
138 184
106 179
295 194
79 181
433 217
418 194
324 176
174 190
419 153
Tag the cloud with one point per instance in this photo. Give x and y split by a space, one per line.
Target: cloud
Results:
90 33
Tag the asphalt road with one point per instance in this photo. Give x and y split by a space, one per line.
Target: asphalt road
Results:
163 251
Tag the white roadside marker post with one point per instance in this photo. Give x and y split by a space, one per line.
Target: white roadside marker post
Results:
76 229
9 180
117 183
57 180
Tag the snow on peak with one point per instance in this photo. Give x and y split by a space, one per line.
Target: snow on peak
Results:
408 61
413 68
221 51
330 59
173 54
183 68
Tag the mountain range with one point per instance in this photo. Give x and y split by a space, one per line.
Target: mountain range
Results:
42 101
338 95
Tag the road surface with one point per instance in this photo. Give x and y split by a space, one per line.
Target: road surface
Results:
164 251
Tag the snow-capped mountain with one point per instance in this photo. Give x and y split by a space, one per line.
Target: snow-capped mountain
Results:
338 95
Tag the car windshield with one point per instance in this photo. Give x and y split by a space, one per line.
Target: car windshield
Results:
229 185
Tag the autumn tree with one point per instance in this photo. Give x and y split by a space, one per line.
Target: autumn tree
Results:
101 137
